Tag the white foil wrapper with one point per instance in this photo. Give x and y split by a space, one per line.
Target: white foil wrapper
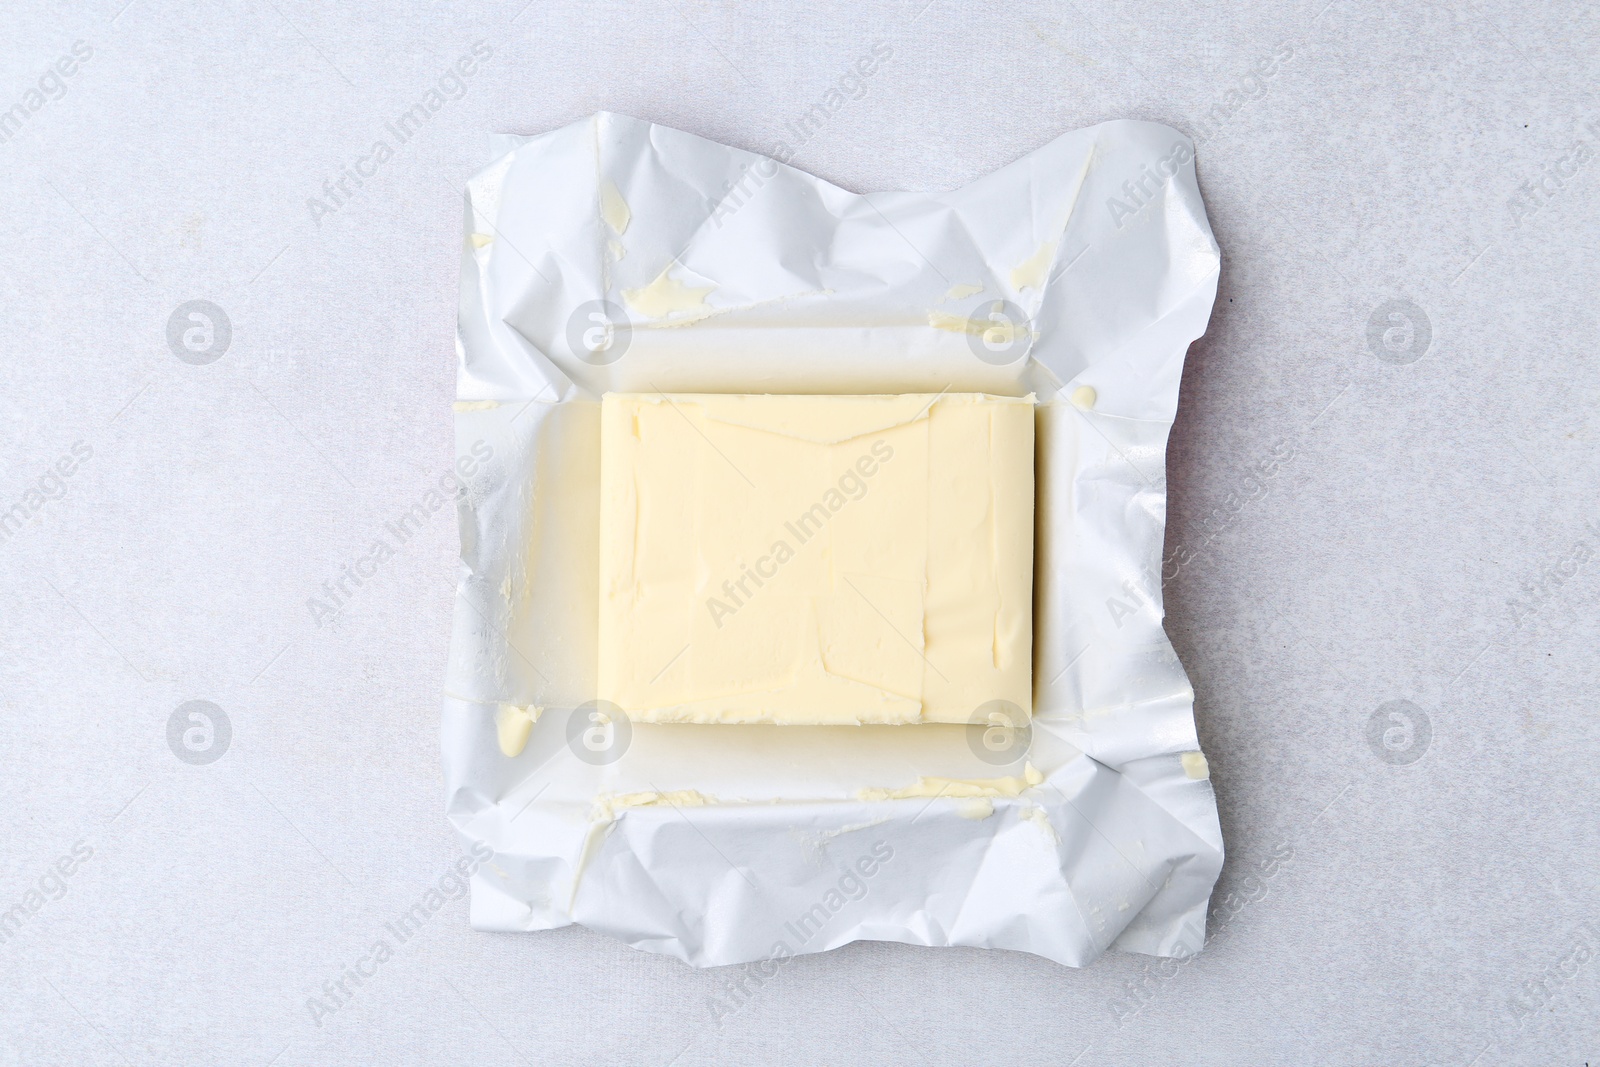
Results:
617 255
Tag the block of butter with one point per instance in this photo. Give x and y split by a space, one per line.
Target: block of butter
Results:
815 559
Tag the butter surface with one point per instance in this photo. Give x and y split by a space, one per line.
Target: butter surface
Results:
815 559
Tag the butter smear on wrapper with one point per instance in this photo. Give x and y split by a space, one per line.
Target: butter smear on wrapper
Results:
816 560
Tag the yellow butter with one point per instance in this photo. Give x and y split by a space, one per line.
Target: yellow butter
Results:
815 559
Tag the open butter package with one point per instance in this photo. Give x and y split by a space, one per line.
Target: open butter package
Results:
811 550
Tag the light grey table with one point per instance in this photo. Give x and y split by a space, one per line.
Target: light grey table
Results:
1383 489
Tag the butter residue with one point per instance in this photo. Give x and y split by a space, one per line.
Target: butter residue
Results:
829 835
614 209
514 724
667 295
974 808
479 240
1195 765
995 331
1084 397
959 787
962 290
1031 273
943 320
475 405
606 807
1040 818
616 248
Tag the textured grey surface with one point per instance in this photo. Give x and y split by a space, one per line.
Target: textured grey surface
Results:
1346 530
